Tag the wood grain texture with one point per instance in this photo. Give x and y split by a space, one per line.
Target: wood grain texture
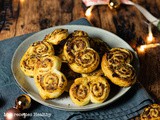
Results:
127 22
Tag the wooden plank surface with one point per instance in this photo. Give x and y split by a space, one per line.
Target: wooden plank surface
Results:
26 16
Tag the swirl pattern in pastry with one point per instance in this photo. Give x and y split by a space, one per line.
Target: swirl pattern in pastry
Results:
85 89
57 36
99 89
116 66
151 112
85 61
50 84
80 92
33 54
27 64
74 45
119 55
40 48
48 63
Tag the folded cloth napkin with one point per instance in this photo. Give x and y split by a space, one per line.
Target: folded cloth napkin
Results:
128 106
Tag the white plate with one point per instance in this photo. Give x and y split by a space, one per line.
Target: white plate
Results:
64 102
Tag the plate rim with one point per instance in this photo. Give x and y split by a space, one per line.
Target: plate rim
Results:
68 108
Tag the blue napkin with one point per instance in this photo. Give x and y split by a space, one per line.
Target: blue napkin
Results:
128 106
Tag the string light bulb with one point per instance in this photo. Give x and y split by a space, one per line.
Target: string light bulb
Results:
88 11
114 4
142 48
150 40
150 37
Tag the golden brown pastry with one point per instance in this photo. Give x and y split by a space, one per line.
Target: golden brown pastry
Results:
27 64
40 48
56 36
74 45
97 72
93 88
119 55
116 67
50 84
85 61
152 112
48 63
80 92
99 89
33 54
59 48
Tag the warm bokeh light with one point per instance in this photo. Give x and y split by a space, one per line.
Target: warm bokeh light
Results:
22 1
142 48
9 116
150 38
88 11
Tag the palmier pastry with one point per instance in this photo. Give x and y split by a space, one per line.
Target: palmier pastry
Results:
152 112
85 61
50 84
33 54
56 36
94 88
48 63
27 64
119 55
74 45
40 48
117 68
99 89
80 92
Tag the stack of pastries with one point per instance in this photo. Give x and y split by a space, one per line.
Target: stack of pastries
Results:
74 63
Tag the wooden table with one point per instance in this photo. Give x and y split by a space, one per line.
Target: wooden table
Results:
19 17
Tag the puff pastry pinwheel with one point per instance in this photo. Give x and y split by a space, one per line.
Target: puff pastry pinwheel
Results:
33 54
57 36
85 61
27 64
85 89
48 63
80 92
151 112
40 48
74 45
116 66
50 84
120 55
99 89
